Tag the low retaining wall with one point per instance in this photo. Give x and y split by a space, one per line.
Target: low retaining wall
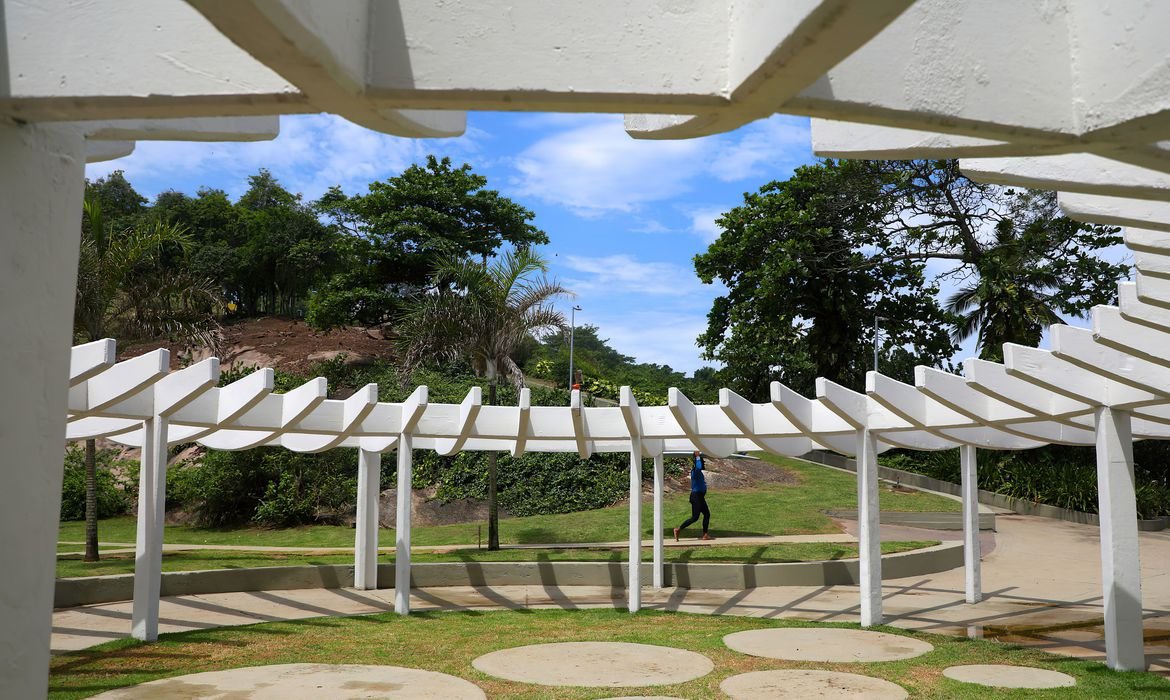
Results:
71 592
988 498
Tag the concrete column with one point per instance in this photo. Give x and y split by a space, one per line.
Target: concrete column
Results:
1121 571
869 523
658 561
152 492
969 488
365 549
402 528
40 226
634 590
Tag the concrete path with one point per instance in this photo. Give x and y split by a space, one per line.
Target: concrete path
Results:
839 537
1042 584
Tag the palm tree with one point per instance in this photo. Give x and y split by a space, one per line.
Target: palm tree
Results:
482 313
123 289
1011 302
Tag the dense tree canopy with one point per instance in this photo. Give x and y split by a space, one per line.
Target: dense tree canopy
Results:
402 225
802 293
1018 262
811 261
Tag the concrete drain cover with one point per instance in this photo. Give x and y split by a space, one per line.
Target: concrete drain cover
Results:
304 682
761 685
595 664
828 644
1000 676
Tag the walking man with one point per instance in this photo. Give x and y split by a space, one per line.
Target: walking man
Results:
698 499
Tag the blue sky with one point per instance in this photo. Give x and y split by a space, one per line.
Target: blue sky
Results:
624 217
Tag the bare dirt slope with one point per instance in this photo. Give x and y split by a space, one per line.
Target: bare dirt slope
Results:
280 343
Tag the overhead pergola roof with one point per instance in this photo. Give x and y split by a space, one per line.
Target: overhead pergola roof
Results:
1064 94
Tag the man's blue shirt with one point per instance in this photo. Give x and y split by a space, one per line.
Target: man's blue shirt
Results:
698 481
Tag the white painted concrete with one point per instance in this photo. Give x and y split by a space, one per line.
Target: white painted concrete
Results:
1120 561
40 199
152 492
659 469
634 590
969 486
365 565
868 519
402 529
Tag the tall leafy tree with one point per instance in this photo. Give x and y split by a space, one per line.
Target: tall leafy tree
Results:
1018 262
481 313
122 290
402 225
803 291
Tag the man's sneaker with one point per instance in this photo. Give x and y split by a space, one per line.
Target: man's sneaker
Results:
676 534
706 537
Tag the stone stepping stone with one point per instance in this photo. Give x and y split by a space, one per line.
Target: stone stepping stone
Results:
829 644
1001 676
645 697
799 683
595 664
304 682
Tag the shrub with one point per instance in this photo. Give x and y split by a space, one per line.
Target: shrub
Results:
1056 475
270 486
114 496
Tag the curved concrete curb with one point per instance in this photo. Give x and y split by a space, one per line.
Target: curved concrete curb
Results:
71 592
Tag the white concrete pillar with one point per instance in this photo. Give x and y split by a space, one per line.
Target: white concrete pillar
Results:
869 525
152 493
365 548
402 528
1121 571
634 590
659 468
969 488
40 226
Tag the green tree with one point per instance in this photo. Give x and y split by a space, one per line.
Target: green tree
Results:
401 226
802 292
122 290
1018 261
482 313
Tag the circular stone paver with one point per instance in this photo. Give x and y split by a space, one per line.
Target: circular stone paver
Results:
304 682
595 664
1001 676
794 683
825 644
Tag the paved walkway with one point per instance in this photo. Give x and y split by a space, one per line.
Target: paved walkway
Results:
839 537
1042 587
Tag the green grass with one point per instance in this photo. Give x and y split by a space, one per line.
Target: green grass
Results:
197 560
448 642
769 509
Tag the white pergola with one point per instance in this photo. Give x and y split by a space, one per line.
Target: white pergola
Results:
1067 95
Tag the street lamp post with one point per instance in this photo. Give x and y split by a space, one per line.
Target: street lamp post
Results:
876 332
572 333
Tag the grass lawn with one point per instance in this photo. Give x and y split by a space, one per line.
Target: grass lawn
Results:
197 560
769 509
448 642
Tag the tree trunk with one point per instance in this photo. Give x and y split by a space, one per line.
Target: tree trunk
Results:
493 506
91 526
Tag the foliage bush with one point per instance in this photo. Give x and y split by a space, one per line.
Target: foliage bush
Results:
114 496
1056 475
269 486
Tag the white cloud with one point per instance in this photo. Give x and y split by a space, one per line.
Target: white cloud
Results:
703 223
774 145
589 165
595 167
312 153
623 275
